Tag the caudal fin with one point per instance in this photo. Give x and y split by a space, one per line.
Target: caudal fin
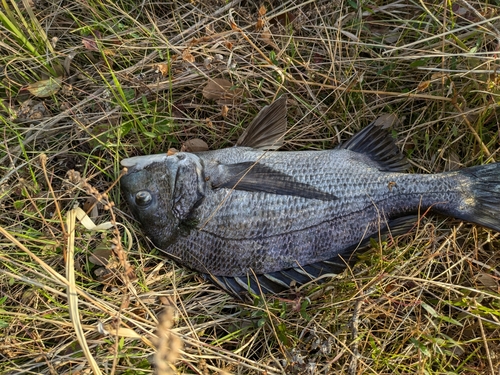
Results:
483 207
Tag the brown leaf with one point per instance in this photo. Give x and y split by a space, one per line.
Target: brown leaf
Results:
441 76
387 120
45 88
194 145
262 10
422 86
267 38
453 162
90 203
187 56
101 255
163 69
259 25
284 19
90 44
222 90
224 111
109 52
487 280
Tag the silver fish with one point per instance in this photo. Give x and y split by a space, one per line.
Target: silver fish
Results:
256 220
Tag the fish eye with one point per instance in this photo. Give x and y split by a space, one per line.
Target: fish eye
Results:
143 198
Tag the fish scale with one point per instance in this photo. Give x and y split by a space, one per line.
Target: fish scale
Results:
251 219
304 238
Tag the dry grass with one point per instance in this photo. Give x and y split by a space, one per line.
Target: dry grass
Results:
133 74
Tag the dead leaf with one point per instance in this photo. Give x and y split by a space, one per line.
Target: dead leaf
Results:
101 255
423 86
259 25
453 162
121 332
224 111
222 90
194 145
90 203
109 52
45 88
88 223
387 120
187 56
267 38
284 19
441 76
90 44
262 11
487 280
163 69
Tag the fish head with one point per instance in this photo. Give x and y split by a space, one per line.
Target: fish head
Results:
162 191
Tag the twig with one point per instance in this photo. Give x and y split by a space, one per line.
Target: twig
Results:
43 161
486 347
353 365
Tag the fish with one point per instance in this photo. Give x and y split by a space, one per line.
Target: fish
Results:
253 219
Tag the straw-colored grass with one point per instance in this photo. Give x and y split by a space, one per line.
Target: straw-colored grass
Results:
84 84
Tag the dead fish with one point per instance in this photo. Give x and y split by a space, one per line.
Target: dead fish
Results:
254 219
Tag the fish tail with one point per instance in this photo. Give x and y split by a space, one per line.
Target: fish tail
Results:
481 204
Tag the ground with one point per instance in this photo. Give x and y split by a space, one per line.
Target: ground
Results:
86 83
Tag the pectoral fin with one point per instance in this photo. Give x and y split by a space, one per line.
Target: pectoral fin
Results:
256 177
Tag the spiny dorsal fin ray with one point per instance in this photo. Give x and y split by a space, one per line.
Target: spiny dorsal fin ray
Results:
376 142
256 177
267 130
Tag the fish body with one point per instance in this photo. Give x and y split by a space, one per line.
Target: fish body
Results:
260 220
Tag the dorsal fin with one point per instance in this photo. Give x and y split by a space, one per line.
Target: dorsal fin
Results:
267 130
376 142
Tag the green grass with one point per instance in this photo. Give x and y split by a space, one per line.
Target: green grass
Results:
132 78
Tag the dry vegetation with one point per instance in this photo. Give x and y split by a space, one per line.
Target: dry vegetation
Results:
84 84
